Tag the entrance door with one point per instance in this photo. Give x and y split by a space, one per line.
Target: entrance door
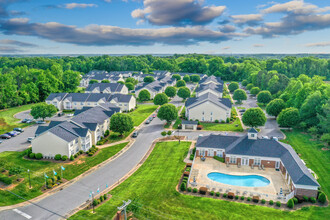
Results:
245 161
277 165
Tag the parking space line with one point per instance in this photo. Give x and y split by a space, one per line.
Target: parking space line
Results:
22 213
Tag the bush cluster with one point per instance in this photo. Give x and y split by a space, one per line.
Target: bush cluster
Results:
290 204
242 198
195 190
92 150
6 180
212 193
224 195
221 159
271 202
312 199
58 157
278 204
248 199
189 189
263 201
64 158
39 156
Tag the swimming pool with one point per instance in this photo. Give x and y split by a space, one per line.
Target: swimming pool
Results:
246 180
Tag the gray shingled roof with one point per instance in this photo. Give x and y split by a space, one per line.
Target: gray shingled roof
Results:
186 122
58 96
77 97
211 79
211 86
262 148
253 130
95 97
113 87
208 97
120 98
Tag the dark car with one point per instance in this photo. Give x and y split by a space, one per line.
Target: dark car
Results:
148 121
151 118
60 114
242 110
135 134
5 136
12 133
25 120
18 129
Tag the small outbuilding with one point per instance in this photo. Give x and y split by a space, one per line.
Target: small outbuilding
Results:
189 125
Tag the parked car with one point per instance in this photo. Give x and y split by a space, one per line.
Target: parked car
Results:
60 114
151 118
265 137
5 136
41 122
70 115
148 121
12 133
19 130
154 115
0 141
242 110
29 139
25 120
135 134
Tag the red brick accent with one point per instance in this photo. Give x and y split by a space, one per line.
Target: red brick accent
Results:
268 163
306 192
197 153
238 161
227 159
282 168
215 153
251 161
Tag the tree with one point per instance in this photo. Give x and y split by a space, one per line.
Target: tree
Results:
43 110
244 82
195 78
290 203
249 86
233 86
167 112
131 80
176 76
311 107
129 86
275 107
264 97
105 81
92 81
239 95
144 95
254 117
186 78
326 138
121 123
170 91
71 79
184 92
180 83
288 117
255 90
160 99
148 79
121 82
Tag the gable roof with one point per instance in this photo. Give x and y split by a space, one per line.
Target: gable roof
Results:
112 87
211 86
262 148
211 79
221 102
57 96
77 97
252 130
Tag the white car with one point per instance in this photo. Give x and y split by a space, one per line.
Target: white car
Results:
29 139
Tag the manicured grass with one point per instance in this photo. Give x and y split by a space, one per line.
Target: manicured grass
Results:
7 119
152 188
311 152
115 137
176 124
141 113
38 168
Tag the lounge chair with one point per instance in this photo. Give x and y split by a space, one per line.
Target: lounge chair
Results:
238 165
252 167
245 192
262 167
227 164
259 166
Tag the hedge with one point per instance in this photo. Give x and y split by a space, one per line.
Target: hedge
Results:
278 204
32 155
322 198
38 156
64 157
58 157
6 180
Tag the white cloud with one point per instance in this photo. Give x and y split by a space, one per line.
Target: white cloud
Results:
319 44
249 19
78 5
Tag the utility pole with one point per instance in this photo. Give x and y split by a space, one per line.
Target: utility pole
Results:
123 207
29 178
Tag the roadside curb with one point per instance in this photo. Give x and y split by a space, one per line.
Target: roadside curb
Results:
70 182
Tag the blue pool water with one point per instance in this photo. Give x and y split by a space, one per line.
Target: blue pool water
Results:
248 180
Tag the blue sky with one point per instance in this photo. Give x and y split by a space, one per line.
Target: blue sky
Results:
163 26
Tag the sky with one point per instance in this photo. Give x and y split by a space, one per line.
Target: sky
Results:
164 26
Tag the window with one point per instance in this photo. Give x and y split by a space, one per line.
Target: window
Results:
252 135
232 160
75 103
257 161
211 113
203 119
203 112
81 103
76 141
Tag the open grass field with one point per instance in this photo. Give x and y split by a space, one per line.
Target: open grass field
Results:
311 152
7 119
141 113
152 191
38 168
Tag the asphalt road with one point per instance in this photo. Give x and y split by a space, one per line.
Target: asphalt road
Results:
62 202
19 143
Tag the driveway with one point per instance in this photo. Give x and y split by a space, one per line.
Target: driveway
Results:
62 202
19 143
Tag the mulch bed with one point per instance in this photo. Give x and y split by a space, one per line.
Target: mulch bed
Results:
44 188
172 138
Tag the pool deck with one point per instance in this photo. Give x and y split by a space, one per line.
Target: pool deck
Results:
202 168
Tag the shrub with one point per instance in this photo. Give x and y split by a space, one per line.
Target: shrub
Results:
290 203
189 189
312 199
169 133
38 156
183 186
271 202
191 157
295 200
163 133
6 180
59 177
278 204
71 158
105 196
195 190
202 190
263 201
101 198
58 157
212 193
32 155
248 199
95 202
64 158
305 198
15 170
81 152
236 197
76 155
219 159
217 194
106 133
216 121
256 200
90 154
322 198
242 198
224 195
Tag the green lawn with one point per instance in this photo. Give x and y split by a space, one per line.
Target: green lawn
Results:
152 187
177 122
38 168
7 119
316 159
141 113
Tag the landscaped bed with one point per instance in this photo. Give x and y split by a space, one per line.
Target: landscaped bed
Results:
152 188
10 160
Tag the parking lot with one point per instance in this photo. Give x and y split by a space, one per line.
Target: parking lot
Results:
19 143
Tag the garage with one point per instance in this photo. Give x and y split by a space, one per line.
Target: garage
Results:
189 125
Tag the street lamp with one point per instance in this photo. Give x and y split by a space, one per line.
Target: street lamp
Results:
29 178
179 135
